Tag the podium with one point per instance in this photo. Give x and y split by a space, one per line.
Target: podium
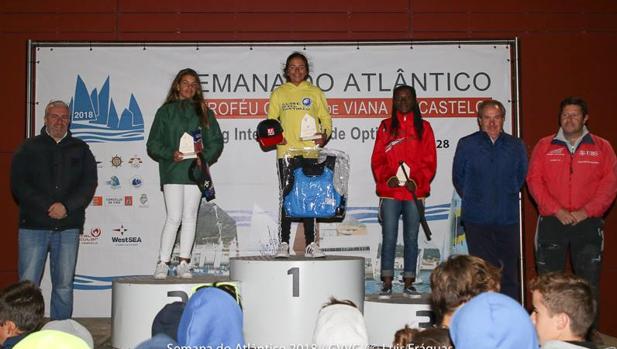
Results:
281 298
384 317
136 300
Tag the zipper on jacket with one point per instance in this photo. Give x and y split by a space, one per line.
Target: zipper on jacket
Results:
570 181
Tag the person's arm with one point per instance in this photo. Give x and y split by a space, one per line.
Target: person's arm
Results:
156 145
427 164
458 167
523 164
537 183
81 194
607 188
274 106
22 182
213 140
379 162
325 119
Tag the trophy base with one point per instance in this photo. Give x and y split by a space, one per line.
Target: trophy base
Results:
310 138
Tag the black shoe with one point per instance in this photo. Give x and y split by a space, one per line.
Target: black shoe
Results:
411 292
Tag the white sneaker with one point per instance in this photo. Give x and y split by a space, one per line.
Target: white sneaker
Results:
283 251
312 250
161 271
183 270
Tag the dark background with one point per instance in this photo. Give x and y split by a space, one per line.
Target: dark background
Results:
566 48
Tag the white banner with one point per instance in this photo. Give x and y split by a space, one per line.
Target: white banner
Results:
115 91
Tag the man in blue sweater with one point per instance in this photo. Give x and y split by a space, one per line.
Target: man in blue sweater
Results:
489 170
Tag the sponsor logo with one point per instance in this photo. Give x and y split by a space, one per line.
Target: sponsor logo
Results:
143 200
113 182
95 119
114 201
136 182
128 201
90 237
306 101
589 153
271 132
123 237
97 200
558 151
135 161
116 161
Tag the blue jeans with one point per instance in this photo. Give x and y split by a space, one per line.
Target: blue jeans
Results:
62 247
391 210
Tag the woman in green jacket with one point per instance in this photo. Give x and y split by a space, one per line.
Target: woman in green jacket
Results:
184 111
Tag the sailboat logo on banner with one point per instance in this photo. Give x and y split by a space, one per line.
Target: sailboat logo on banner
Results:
94 118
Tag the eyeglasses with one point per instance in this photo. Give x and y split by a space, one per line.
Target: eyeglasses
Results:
229 287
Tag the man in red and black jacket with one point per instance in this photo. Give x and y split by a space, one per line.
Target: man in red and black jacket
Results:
573 178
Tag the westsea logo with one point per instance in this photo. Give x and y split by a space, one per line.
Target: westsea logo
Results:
125 238
94 117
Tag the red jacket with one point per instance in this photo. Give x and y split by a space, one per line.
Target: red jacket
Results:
586 179
419 155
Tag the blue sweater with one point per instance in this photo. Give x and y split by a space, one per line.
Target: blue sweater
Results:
488 176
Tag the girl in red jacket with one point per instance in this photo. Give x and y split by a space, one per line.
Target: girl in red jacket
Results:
403 141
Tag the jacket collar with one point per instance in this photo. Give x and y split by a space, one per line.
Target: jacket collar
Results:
560 139
44 133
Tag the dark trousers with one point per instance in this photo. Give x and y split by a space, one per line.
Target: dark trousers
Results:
500 246
285 222
585 241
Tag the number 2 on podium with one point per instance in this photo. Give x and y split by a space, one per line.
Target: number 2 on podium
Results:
295 272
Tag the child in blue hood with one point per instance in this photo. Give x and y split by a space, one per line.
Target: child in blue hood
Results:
492 320
212 317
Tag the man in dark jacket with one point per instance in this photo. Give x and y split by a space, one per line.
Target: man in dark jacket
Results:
489 171
53 178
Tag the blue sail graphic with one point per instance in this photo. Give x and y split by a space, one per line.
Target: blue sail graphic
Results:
95 119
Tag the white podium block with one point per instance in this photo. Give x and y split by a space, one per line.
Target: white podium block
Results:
281 298
386 316
136 300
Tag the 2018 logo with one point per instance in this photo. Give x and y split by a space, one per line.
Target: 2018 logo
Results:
95 119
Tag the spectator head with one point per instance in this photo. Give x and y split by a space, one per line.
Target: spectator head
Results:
73 327
457 280
21 309
340 323
212 317
492 321
51 339
563 307
428 338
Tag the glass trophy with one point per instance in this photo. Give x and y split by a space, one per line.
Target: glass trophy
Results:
190 144
400 174
308 128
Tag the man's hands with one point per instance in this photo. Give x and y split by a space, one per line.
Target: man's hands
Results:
579 215
56 210
574 217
